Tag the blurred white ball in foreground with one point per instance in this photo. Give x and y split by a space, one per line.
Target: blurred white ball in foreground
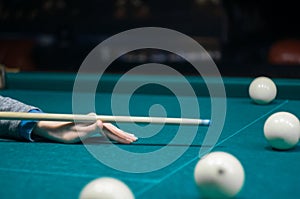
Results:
219 175
106 188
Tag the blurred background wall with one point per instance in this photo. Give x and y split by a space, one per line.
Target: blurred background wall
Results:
244 37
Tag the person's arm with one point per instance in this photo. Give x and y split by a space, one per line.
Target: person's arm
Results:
10 128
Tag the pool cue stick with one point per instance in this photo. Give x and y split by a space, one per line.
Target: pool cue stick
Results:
103 118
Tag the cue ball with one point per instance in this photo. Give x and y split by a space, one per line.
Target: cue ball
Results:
262 90
219 175
106 188
282 130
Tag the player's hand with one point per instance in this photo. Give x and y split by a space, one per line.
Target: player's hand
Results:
70 132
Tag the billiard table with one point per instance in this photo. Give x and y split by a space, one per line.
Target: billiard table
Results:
45 169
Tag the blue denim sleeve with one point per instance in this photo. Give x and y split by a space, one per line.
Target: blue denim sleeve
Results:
26 126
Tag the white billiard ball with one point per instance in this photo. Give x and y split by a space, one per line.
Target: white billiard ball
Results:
262 90
219 175
106 188
282 130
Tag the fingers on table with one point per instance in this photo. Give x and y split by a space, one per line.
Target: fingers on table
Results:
117 134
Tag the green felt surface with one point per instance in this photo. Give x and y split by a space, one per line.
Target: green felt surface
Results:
52 170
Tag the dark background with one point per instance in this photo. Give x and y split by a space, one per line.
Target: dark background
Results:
56 35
